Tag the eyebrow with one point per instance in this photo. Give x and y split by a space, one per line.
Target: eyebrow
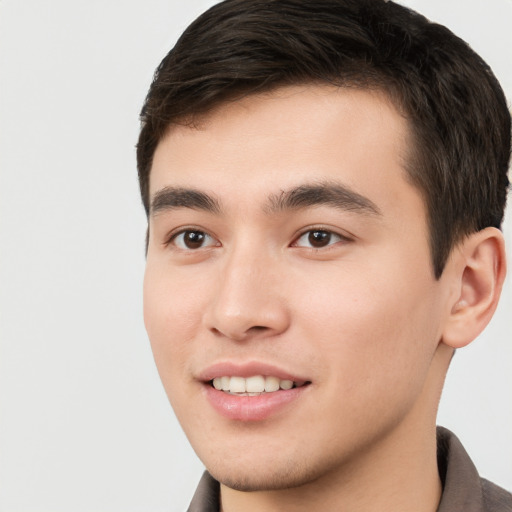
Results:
323 194
301 197
171 198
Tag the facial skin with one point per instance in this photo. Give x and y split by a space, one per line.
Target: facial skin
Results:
359 318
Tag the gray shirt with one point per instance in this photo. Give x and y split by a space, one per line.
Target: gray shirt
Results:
463 489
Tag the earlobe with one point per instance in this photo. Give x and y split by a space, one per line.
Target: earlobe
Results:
479 278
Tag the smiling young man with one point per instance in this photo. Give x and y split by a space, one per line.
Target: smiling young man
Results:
324 183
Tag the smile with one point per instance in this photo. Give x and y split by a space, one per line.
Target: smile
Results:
254 385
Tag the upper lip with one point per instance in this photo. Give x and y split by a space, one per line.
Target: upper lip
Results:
247 369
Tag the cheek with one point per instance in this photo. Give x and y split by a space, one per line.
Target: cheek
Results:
370 329
372 346
171 317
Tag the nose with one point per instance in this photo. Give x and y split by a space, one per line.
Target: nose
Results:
249 298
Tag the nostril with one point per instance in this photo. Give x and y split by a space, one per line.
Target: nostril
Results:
240 336
255 330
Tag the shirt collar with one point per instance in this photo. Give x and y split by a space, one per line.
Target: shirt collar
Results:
462 487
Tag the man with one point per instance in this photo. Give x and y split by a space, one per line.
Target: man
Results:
324 182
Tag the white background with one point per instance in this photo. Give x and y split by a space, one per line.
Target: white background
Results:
84 422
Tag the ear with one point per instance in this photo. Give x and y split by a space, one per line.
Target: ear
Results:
479 269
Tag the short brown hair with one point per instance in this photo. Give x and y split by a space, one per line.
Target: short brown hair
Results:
457 112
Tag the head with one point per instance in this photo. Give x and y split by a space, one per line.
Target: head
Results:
324 181
455 108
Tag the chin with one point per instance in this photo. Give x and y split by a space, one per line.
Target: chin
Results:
288 475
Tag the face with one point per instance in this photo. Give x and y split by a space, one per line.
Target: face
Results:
289 295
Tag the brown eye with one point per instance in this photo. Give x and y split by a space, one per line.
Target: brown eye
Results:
192 239
318 239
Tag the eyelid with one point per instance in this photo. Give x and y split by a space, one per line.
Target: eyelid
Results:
343 236
171 237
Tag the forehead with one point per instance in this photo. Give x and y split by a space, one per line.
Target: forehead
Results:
294 135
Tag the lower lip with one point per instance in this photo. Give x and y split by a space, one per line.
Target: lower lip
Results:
251 408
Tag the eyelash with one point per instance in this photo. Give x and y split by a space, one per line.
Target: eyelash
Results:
320 229
171 239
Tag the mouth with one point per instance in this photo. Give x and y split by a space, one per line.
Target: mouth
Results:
255 385
252 392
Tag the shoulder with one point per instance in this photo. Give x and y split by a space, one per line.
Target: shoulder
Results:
495 498
463 488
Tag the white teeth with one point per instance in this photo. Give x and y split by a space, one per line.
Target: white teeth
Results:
286 384
237 385
251 385
271 384
225 383
255 384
